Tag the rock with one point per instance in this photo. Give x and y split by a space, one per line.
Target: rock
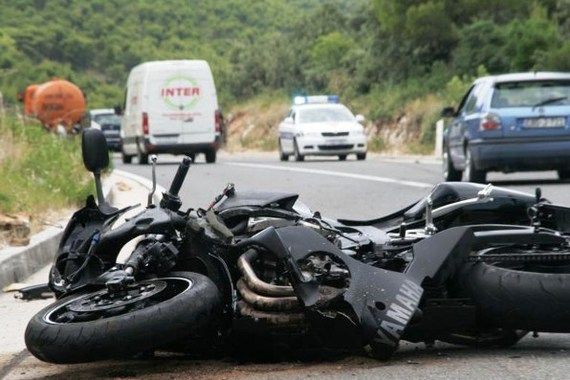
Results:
122 186
15 229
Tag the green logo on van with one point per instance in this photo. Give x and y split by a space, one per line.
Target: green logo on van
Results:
180 92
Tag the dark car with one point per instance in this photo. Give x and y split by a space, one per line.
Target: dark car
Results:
508 123
110 124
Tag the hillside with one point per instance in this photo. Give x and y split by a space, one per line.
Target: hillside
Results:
396 61
96 43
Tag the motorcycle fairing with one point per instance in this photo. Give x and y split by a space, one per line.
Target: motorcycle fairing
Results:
383 302
259 198
75 241
82 228
512 203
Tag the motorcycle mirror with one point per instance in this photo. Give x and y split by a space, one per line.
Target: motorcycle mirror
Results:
95 157
94 149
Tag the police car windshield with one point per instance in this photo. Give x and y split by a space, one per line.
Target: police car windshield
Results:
324 114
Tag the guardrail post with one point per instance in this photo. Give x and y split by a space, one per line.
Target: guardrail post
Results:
439 137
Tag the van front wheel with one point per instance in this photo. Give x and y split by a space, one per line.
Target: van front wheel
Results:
211 156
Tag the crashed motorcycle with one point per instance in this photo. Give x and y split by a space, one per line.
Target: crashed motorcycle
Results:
468 264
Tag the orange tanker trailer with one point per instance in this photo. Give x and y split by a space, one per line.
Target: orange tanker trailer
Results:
57 102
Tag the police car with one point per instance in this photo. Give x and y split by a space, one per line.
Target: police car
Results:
321 126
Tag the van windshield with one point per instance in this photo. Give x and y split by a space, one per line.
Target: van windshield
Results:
531 94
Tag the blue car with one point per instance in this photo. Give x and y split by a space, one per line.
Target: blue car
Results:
508 123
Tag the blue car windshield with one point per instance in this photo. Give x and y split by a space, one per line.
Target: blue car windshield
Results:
531 94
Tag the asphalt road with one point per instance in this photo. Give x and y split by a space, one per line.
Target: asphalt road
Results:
350 189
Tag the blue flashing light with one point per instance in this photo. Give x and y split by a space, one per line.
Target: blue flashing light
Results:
316 99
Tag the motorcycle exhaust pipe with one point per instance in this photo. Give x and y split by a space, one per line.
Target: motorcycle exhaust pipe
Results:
267 303
287 320
255 283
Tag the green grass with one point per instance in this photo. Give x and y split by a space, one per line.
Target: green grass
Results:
39 171
376 144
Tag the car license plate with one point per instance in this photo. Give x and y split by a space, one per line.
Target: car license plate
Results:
167 140
544 122
336 141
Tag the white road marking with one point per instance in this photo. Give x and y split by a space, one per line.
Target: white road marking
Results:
363 177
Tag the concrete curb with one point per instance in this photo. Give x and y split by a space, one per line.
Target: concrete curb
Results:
18 263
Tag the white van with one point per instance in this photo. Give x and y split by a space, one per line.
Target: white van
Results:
170 107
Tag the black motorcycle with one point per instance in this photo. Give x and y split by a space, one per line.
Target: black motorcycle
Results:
468 264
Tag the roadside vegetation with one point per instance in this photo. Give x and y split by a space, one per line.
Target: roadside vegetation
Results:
395 61
40 173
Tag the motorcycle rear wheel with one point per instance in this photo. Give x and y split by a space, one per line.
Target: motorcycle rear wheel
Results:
80 328
519 295
495 338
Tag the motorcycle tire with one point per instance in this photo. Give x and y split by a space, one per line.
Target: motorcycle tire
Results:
187 304
520 299
494 338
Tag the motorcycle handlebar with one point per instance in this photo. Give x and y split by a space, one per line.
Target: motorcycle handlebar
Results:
179 177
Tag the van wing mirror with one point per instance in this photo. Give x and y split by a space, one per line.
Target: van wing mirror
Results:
118 110
94 149
448 112
360 118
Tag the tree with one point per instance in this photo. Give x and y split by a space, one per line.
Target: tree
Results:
528 40
430 30
481 43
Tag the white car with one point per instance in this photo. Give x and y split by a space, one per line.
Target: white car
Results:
320 126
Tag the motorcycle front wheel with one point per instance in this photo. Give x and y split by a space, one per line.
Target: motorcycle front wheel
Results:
149 314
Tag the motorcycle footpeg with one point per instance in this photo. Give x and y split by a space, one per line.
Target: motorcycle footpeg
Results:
34 292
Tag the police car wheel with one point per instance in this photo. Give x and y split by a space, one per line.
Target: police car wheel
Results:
298 156
282 156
